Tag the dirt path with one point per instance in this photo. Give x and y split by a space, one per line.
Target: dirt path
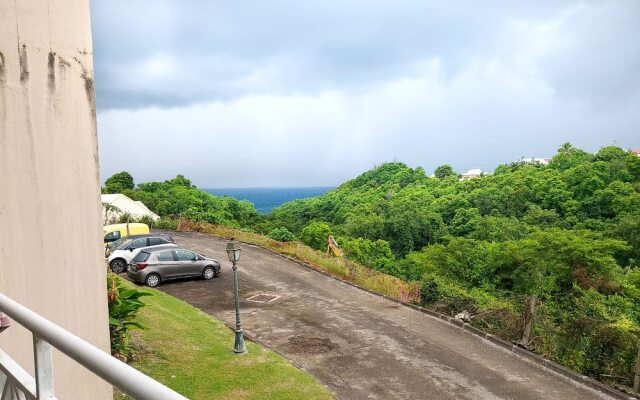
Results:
360 345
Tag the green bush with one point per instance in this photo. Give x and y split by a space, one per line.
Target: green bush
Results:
124 218
316 235
281 234
147 220
167 223
446 297
124 304
374 254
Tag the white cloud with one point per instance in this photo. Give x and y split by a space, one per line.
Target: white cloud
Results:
490 112
289 94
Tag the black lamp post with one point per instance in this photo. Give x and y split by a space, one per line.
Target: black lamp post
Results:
233 251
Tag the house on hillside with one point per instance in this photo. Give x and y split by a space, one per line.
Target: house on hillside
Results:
472 174
124 205
636 152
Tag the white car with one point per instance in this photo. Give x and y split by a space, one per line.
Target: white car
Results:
119 259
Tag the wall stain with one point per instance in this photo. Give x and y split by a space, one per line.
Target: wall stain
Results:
1 67
29 130
88 87
24 64
3 101
62 63
91 94
51 76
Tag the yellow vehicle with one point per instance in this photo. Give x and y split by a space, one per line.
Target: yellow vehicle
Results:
117 231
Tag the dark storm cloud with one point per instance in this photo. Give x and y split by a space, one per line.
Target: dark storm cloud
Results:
286 93
168 53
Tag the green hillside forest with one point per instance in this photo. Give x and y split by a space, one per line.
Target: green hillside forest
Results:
544 255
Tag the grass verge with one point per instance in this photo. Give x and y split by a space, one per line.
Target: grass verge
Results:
191 353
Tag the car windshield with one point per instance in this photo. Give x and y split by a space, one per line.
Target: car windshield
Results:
117 243
121 243
141 257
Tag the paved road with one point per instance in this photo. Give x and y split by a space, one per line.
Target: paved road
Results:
358 344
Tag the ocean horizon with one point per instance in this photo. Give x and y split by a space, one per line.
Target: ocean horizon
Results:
266 199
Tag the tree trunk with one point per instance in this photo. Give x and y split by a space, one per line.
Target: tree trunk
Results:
528 320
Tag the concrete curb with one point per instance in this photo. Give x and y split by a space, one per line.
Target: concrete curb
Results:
528 355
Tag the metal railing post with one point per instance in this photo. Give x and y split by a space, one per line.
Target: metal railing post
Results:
46 335
43 360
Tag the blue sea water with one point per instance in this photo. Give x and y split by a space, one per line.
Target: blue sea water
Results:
266 199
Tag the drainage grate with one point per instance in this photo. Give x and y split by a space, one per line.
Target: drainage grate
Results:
263 298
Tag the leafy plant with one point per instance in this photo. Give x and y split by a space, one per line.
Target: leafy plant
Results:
167 223
124 304
315 235
281 234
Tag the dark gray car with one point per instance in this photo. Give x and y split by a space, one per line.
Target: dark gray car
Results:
154 265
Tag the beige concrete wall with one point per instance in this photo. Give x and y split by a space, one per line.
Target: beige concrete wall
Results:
51 257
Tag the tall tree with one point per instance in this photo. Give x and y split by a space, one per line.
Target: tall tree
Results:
119 182
566 148
444 171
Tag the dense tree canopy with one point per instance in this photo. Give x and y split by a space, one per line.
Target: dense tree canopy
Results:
445 171
178 197
566 233
119 182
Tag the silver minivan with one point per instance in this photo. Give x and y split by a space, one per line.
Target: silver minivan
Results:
156 264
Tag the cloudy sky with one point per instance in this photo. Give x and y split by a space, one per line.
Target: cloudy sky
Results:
290 93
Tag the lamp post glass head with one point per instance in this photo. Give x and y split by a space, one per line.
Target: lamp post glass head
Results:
233 251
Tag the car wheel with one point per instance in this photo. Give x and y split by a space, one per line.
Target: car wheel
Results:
208 273
152 280
118 266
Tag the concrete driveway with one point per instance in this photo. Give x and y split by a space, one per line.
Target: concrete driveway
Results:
360 345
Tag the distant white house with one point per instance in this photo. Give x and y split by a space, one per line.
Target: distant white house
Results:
472 174
534 160
636 152
136 209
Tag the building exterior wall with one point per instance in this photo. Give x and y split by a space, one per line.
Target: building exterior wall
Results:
51 256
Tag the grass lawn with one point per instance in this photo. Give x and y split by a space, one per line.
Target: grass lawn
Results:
191 352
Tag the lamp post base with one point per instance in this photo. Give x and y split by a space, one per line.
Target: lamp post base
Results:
239 346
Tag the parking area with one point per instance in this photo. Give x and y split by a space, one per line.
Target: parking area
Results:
358 344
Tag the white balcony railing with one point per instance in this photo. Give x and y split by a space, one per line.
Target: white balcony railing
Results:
17 384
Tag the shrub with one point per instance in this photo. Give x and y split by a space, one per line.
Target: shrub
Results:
147 220
376 255
124 304
124 218
167 223
281 234
315 235
446 297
